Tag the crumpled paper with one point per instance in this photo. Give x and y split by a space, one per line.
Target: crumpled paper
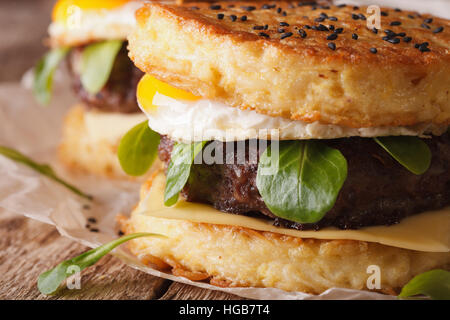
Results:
35 131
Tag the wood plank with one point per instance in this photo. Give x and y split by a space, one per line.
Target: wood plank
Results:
23 27
28 247
181 291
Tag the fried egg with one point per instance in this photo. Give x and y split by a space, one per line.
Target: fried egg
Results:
185 117
77 22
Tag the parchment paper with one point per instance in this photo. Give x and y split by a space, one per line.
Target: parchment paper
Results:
35 131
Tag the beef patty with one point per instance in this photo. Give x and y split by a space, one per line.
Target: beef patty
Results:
119 93
378 190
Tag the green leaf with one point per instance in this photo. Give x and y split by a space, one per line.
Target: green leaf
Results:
43 74
50 280
44 169
410 152
138 149
179 169
97 61
434 284
305 183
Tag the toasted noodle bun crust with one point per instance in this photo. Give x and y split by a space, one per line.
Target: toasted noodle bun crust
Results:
299 78
81 153
240 257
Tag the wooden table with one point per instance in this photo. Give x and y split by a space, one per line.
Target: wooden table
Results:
28 247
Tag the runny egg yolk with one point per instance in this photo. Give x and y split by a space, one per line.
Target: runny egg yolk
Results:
64 9
149 86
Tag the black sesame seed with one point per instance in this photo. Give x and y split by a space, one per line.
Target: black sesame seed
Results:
411 16
94 230
332 36
302 33
339 30
233 17
195 8
323 15
354 36
220 16
355 16
284 24
244 18
407 39
425 26
373 50
355 8
258 28
333 19
325 7
120 233
307 26
248 8
320 19
362 17
386 38
287 34
284 13
417 45
343 5
263 34
331 27
281 30
315 28
308 3
332 46
266 27
398 9
375 30
87 226
401 34
279 10
394 40
268 6
92 220
424 48
389 32
215 7
439 29
395 23
429 20
322 27
384 13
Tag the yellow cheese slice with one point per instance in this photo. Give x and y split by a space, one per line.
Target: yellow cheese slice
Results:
427 231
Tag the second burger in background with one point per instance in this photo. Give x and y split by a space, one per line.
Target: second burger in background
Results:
91 37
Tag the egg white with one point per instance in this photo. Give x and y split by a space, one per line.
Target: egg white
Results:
205 120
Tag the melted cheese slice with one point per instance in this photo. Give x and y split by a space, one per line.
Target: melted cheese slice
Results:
429 231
